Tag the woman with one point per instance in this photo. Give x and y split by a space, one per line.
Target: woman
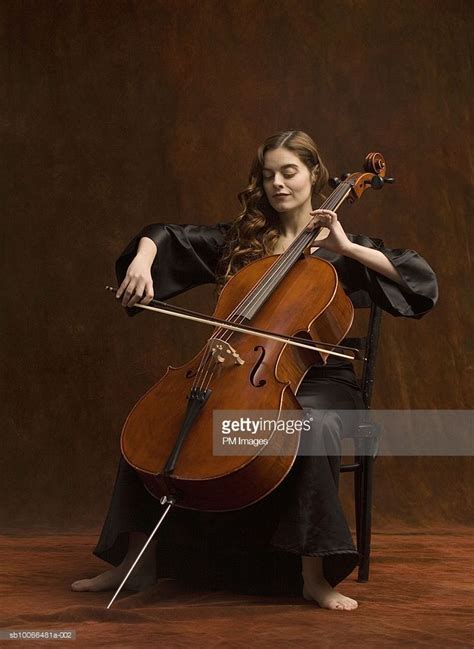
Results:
296 539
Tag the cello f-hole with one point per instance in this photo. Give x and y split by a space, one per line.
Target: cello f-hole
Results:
257 366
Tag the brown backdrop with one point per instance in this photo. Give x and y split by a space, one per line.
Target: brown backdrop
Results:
117 114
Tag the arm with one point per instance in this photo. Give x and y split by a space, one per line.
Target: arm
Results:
147 249
398 280
138 282
373 259
412 297
164 260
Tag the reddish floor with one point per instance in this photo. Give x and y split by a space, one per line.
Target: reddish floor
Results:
419 596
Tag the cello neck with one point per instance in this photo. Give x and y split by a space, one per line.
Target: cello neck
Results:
270 280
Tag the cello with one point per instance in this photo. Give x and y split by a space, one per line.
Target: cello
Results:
168 437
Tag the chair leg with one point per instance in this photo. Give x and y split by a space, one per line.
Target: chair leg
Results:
366 515
358 499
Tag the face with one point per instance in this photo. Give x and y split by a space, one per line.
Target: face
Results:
286 180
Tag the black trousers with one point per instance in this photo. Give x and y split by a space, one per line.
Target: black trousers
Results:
256 549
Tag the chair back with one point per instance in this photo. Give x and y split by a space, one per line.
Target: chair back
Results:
367 344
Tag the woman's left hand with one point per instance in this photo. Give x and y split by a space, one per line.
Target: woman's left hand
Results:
336 241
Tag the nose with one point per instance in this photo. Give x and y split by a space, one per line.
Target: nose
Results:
277 181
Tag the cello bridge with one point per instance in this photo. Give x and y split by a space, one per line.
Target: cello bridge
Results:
222 352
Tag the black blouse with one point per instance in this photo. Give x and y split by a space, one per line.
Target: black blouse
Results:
188 255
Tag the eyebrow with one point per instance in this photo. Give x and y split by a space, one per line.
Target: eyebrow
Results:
283 167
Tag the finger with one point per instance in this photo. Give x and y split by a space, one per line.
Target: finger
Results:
320 214
319 218
129 292
138 293
324 212
328 220
148 293
122 287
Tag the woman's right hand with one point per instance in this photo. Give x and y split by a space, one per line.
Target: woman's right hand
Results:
137 285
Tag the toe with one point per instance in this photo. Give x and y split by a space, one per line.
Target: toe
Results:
82 585
335 605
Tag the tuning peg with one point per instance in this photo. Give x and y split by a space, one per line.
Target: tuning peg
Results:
378 182
334 182
344 176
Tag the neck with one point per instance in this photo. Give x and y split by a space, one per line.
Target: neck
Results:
294 221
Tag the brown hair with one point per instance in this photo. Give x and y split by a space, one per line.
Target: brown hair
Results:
256 229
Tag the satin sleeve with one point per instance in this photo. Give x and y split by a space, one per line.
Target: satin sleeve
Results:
414 298
187 256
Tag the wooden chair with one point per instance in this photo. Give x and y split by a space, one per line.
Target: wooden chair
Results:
366 435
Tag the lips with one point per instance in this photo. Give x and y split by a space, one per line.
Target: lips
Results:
279 195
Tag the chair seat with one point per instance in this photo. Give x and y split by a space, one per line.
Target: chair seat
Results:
366 441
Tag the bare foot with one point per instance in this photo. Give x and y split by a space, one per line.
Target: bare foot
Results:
325 595
317 588
142 577
112 579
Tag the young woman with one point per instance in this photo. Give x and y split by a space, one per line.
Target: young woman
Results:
295 540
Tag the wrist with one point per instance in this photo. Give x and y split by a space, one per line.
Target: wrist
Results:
349 249
146 254
146 249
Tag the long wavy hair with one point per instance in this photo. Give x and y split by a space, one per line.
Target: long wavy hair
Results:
256 229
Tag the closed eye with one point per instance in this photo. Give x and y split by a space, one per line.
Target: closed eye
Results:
285 175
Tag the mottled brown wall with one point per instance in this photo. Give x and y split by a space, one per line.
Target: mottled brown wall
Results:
117 114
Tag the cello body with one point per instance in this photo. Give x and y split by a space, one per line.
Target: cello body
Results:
309 302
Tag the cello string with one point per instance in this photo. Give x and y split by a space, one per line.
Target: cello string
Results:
212 370
217 332
201 373
286 259
221 333
283 260
201 364
226 335
271 275
210 377
281 265
274 274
